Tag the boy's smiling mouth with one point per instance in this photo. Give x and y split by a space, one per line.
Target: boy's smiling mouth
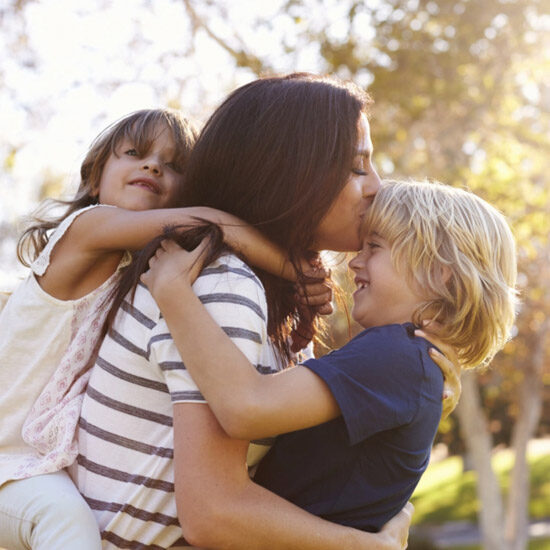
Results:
361 283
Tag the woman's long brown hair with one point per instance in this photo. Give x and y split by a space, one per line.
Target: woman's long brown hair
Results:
187 237
276 153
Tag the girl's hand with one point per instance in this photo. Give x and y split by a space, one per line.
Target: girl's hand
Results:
317 291
449 365
396 531
172 263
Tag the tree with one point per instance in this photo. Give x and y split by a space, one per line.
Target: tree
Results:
461 95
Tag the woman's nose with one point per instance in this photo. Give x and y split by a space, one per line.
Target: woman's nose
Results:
371 184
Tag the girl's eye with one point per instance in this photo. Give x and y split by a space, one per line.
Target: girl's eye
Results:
173 165
372 245
359 172
131 153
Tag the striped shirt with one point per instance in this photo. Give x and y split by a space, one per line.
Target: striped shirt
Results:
125 464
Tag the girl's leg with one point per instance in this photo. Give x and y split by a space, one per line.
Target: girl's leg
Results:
46 512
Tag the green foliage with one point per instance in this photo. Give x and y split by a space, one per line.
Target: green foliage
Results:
462 95
446 493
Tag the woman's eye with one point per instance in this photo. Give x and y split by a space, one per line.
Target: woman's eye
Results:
131 153
359 172
372 245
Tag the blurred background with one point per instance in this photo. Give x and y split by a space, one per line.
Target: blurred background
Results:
462 95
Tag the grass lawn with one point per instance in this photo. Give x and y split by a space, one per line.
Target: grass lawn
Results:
446 494
542 544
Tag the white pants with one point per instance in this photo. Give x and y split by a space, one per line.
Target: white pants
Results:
46 512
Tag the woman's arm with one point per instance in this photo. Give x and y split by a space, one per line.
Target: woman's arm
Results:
220 507
247 404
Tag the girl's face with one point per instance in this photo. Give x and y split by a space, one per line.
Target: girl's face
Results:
339 228
383 294
144 182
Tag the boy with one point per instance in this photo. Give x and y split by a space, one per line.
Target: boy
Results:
362 418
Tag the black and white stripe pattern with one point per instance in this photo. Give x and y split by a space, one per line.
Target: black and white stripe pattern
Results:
125 465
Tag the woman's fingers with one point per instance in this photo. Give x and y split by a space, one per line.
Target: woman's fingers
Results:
452 387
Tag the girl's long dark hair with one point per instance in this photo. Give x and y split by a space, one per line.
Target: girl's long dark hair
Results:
141 128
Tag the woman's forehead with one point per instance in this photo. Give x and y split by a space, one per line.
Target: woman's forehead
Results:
364 142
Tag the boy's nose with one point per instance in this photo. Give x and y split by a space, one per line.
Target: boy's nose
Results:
355 263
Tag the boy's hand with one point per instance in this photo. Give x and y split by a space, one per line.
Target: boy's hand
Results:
449 365
172 263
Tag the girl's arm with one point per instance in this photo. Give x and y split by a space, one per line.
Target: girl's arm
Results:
91 249
247 404
104 230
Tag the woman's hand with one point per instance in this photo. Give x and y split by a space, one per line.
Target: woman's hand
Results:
395 533
172 263
448 363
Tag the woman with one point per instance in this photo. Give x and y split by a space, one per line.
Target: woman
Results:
291 155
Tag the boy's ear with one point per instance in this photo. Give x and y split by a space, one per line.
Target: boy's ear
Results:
446 273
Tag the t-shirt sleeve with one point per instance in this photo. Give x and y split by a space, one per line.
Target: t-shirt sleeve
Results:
235 299
376 380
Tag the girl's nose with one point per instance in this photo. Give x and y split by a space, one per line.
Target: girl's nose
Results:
152 164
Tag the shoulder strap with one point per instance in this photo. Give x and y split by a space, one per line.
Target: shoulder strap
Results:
42 262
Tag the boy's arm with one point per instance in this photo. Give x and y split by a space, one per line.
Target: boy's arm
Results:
247 404
220 507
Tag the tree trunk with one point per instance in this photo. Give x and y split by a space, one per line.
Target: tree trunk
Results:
477 437
530 404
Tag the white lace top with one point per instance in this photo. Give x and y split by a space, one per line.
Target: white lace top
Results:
46 345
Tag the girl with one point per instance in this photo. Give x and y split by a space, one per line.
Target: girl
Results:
363 417
49 328
293 156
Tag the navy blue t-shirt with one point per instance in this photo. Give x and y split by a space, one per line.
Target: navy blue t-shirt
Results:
362 467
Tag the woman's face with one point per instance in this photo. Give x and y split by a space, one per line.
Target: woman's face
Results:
340 227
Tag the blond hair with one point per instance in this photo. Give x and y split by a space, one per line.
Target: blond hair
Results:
457 251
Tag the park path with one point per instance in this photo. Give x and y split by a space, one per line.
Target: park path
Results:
464 533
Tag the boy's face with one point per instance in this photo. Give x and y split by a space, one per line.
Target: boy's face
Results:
383 295
145 182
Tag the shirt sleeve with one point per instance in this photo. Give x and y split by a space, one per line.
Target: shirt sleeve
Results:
235 298
376 380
